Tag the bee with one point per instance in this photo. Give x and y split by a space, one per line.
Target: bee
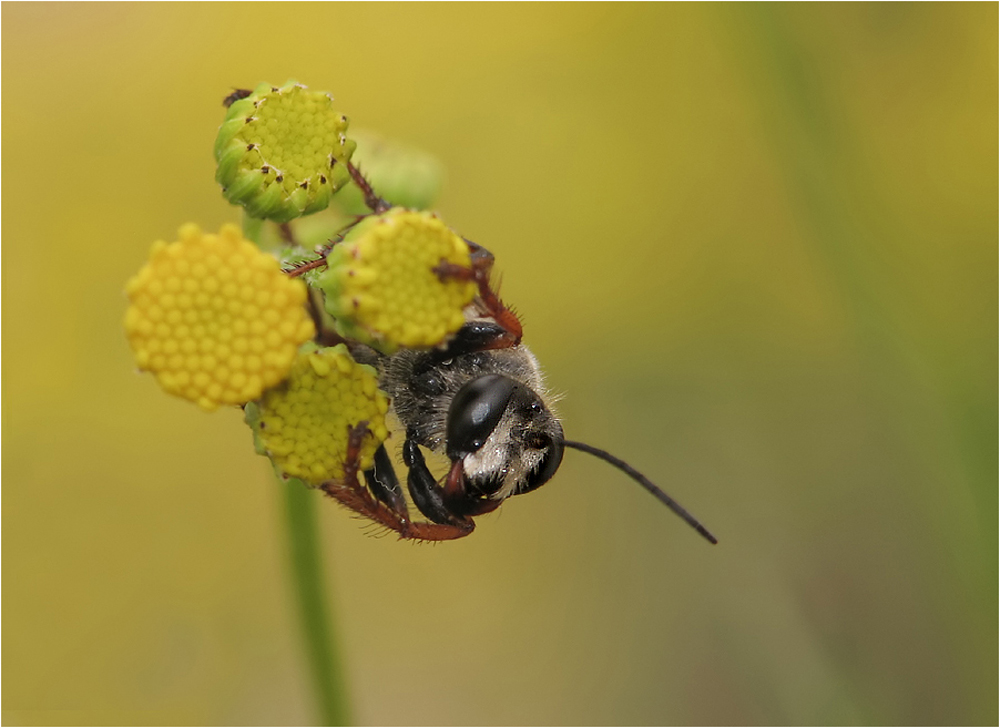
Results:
481 402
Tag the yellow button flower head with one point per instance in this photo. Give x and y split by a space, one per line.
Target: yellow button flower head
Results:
282 152
381 285
304 424
214 318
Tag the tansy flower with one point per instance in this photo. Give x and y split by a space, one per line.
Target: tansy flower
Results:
384 286
304 424
214 318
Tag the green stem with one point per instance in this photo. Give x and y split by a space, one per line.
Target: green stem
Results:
307 582
317 632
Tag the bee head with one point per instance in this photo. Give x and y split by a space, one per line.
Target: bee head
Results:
508 440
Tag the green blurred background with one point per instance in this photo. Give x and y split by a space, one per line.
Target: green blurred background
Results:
756 246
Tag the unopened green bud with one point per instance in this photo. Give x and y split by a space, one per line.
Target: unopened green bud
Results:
282 152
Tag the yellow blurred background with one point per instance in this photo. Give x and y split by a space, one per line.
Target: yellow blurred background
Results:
756 248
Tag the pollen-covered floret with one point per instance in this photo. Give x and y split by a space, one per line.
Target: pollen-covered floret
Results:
304 424
282 152
384 285
214 318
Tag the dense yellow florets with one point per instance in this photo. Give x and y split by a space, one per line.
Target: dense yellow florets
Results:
382 287
304 424
214 318
282 152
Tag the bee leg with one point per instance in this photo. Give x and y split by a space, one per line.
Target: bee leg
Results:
474 336
351 493
374 203
384 484
479 273
480 256
454 484
435 531
429 498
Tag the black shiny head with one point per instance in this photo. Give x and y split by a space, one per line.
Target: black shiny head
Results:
527 445
476 411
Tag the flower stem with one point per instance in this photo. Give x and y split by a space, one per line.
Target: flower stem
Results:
317 631
307 582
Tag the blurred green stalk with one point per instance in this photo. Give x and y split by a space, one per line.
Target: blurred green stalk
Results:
317 631
826 165
307 582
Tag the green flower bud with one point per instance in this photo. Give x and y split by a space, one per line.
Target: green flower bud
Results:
282 152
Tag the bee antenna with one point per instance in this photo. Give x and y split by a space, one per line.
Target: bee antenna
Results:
645 483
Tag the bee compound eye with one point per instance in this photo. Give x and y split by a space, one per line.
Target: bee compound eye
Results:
549 465
475 412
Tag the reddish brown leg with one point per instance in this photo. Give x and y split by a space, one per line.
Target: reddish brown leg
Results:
355 436
375 203
308 265
322 251
361 502
355 496
479 273
454 484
